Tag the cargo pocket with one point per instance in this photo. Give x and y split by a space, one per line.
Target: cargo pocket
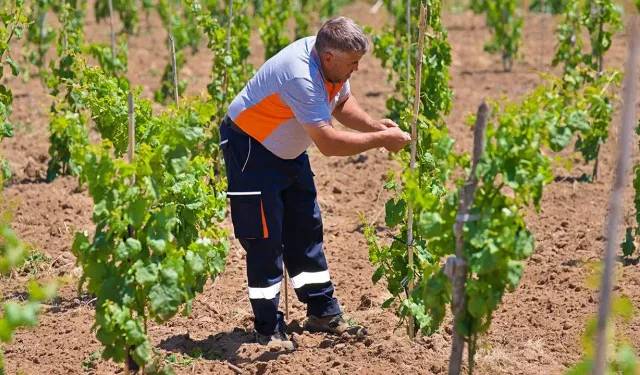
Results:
247 215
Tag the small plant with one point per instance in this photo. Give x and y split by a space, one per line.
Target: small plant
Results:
14 15
33 262
126 9
90 363
273 26
506 25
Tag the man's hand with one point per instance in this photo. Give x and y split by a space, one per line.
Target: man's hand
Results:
394 138
383 124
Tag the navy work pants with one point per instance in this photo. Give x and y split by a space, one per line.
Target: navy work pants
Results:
277 219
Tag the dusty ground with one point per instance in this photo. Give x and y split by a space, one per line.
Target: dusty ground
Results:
536 331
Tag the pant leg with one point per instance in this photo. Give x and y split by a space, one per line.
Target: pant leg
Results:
254 178
264 274
302 238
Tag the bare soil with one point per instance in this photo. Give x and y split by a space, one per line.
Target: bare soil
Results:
537 329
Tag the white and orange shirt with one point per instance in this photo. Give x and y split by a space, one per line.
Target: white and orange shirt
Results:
288 92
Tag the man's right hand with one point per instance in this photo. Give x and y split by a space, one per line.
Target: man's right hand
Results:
395 139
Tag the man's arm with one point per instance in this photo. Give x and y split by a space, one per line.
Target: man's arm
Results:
351 115
333 142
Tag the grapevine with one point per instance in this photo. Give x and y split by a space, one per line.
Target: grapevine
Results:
68 128
155 243
506 26
14 16
584 72
229 69
14 316
184 29
434 163
273 26
126 9
40 35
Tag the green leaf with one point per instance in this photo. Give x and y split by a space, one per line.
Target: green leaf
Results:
623 308
14 67
582 368
560 137
146 275
627 360
165 299
378 274
134 332
386 304
195 263
142 353
515 269
577 120
136 212
167 370
395 212
628 246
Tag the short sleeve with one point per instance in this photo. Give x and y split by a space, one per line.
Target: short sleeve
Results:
305 100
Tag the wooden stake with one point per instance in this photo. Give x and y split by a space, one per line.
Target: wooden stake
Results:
414 145
542 25
467 196
615 203
43 15
408 46
65 40
130 156
113 35
594 13
132 124
228 48
286 295
172 49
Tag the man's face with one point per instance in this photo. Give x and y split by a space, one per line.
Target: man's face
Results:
338 66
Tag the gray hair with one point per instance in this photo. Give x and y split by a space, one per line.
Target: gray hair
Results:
342 34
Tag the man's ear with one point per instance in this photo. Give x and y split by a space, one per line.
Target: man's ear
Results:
328 57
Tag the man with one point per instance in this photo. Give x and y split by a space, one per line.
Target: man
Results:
285 107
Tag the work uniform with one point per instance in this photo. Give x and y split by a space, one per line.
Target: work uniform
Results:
274 209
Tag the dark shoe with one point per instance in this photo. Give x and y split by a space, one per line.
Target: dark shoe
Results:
277 340
333 324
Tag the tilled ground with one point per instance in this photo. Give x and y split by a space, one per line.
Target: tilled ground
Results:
537 329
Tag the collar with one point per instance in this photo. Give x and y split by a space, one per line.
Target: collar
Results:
316 59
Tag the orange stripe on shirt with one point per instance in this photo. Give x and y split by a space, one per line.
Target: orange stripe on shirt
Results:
336 89
260 120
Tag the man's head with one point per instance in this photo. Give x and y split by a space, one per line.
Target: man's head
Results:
340 43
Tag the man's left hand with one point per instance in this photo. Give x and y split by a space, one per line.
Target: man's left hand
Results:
384 124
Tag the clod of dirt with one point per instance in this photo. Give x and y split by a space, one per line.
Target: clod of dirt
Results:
537 258
365 302
336 190
360 159
326 343
30 169
261 367
295 327
368 342
212 308
63 260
